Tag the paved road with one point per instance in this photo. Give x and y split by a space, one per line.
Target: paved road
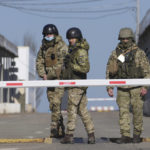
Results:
36 125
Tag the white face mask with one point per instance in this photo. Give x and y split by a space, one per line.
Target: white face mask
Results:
49 38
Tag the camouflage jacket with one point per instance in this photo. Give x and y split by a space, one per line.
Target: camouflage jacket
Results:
78 62
136 64
50 58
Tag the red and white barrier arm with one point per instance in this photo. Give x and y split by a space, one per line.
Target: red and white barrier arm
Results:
74 83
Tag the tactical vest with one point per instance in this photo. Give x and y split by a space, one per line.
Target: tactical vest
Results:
73 74
52 61
51 57
128 69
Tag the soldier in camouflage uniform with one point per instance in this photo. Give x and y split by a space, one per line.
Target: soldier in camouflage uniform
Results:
78 66
50 66
128 61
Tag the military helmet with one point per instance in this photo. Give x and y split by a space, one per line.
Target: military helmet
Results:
126 33
74 33
50 29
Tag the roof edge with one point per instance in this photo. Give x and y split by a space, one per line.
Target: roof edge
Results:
145 22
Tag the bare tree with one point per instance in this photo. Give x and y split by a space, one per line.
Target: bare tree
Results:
29 40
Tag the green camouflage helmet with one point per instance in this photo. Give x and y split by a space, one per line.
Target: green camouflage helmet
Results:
126 33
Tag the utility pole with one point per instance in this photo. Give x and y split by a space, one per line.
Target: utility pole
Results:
137 20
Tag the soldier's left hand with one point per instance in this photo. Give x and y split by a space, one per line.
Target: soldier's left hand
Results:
143 91
110 92
45 77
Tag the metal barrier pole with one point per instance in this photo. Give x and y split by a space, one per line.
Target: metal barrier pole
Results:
75 83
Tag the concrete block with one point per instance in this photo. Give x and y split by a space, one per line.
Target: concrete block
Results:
8 108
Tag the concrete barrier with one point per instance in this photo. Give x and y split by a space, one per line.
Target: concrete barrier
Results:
8 108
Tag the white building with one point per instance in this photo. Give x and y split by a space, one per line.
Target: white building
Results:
8 51
27 71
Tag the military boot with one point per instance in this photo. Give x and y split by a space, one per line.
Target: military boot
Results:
61 127
136 138
61 131
91 138
54 133
68 139
123 140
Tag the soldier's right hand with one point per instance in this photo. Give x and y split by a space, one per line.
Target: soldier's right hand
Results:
110 92
45 77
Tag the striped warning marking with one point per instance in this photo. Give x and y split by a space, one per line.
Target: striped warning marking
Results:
67 83
49 141
9 148
117 82
14 84
74 83
102 108
38 140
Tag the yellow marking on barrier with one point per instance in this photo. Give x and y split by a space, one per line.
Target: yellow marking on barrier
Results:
48 140
38 140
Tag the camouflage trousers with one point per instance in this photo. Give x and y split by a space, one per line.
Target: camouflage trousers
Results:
55 97
126 99
77 104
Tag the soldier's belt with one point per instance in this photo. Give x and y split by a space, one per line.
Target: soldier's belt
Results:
130 88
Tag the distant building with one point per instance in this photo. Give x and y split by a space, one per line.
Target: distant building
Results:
144 43
8 51
144 35
26 71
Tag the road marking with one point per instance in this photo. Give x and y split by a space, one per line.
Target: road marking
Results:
3 122
21 140
38 132
38 140
46 128
30 137
9 148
